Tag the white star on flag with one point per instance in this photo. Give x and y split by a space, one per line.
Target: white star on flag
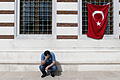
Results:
98 23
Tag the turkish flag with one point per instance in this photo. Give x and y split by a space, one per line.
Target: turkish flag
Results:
97 20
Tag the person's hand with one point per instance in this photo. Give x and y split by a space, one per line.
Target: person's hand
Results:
47 68
46 57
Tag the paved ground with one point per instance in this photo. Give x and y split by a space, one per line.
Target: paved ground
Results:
93 75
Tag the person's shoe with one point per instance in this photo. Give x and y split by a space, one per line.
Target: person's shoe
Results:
52 74
43 75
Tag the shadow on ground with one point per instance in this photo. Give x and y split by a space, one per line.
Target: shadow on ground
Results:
59 71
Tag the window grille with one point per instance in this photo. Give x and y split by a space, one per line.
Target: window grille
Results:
109 28
35 16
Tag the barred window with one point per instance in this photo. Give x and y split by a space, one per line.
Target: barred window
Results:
109 28
35 16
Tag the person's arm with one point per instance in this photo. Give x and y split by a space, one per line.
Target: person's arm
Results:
43 61
53 63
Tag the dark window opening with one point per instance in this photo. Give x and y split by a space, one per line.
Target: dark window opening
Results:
35 16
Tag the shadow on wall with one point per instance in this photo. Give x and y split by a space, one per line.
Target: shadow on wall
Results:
59 71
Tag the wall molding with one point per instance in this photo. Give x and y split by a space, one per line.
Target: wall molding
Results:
67 37
6 11
67 0
67 24
6 36
62 63
67 12
7 0
6 24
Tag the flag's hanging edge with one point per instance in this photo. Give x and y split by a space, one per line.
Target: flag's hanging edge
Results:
104 4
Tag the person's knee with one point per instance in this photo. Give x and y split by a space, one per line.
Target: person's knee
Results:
54 68
41 67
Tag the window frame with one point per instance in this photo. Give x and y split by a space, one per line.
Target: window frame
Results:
115 34
34 36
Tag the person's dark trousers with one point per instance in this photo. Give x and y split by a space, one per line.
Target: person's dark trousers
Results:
52 69
42 69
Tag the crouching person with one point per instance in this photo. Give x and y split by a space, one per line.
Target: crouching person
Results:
48 63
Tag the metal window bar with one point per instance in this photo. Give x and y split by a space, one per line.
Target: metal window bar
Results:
109 28
35 16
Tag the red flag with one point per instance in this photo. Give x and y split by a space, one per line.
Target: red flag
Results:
97 20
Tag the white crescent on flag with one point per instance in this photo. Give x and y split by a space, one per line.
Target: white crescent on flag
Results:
98 12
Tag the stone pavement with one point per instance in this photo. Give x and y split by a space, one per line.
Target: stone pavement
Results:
83 75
